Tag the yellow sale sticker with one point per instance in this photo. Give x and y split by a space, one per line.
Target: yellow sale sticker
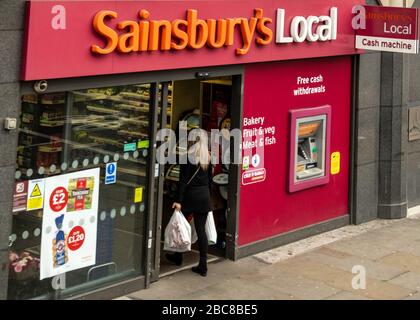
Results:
335 162
138 195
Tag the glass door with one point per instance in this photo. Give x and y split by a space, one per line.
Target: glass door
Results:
81 202
212 104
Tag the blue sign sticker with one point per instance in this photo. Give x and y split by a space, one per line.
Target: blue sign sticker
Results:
111 173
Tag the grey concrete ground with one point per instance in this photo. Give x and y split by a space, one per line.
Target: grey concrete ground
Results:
320 267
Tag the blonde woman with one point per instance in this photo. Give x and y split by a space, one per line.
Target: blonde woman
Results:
194 197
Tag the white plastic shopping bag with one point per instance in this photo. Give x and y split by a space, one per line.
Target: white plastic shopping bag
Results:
210 230
194 236
177 234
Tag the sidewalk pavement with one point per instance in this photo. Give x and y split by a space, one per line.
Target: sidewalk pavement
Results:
316 268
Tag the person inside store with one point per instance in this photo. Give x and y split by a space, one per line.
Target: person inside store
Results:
194 197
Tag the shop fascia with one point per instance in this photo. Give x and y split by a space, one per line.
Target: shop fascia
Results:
194 33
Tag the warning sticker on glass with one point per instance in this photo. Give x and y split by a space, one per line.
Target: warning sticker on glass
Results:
35 194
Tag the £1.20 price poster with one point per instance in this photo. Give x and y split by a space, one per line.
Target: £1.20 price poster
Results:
69 223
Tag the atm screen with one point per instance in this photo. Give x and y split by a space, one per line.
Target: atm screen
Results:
310 142
308 129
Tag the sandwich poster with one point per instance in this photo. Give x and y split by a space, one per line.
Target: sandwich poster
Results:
69 224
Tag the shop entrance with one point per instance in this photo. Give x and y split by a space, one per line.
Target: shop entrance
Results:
208 104
96 139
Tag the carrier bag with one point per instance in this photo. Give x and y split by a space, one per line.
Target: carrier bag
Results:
177 234
194 236
210 230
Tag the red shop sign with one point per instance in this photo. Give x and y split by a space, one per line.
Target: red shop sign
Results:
388 29
83 38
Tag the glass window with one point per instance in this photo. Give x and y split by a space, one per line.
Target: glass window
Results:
97 142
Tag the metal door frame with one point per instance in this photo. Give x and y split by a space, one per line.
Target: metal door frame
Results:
234 170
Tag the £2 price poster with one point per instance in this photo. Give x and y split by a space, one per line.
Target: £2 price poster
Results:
69 224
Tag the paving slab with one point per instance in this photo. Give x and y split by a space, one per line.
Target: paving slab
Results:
123 298
172 287
373 269
300 287
299 247
408 280
319 267
362 249
237 289
339 279
186 282
413 297
345 295
402 260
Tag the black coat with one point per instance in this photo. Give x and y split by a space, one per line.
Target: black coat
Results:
194 197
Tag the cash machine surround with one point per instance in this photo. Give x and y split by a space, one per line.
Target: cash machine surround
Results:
309 147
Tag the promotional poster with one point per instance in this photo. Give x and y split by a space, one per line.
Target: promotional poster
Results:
69 225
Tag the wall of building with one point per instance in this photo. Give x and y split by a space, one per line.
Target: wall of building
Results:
366 146
387 166
366 159
413 147
11 29
279 210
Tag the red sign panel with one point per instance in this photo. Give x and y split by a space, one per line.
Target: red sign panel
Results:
388 29
253 176
20 196
267 208
83 38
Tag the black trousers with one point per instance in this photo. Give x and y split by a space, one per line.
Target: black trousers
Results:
200 219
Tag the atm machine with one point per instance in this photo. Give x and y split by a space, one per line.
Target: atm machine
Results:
309 147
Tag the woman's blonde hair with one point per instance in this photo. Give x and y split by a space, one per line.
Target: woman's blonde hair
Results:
199 152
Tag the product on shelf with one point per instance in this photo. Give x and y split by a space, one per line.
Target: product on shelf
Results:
52 117
53 98
23 265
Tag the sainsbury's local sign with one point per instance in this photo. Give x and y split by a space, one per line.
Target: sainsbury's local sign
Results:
82 38
388 29
195 33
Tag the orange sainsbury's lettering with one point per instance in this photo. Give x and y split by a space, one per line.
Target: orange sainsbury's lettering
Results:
160 30
179 34
129 41
192 32
266 32
198 30
144 30
230 34
217 38
247 31
108 33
